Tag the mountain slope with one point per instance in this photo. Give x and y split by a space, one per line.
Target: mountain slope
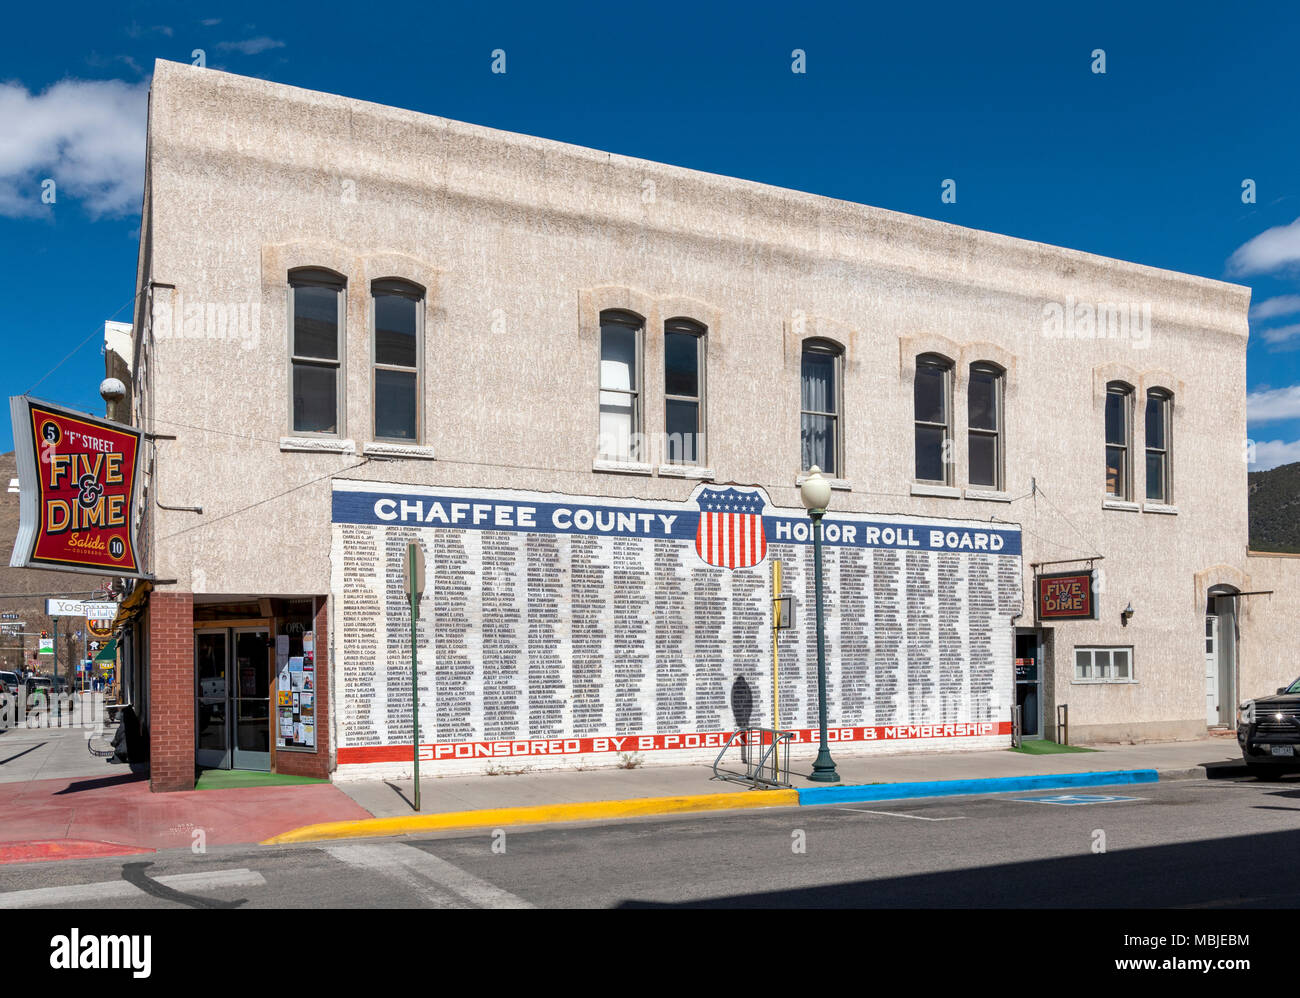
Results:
1275 508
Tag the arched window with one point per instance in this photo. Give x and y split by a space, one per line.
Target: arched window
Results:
932 410
1119 437
1160 405
316 321
620 386
397 318
819 417
684 353
984 424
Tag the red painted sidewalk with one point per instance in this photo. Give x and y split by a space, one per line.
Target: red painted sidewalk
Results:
81 818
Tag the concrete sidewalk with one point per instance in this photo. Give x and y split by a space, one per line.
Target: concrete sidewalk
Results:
1171 760
41 752
57 801
118 815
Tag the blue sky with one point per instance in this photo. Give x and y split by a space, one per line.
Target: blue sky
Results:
1144 162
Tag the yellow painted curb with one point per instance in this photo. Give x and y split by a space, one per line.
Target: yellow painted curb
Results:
499 816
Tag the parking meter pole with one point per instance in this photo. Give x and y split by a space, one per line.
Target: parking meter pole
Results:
415 683
776 688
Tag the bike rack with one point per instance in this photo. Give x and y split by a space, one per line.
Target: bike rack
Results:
774 759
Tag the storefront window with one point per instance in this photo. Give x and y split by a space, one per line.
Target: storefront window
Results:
296 682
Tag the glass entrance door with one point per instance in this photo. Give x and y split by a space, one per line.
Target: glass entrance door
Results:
212 698
1212 671
1029 683
252 699
232 699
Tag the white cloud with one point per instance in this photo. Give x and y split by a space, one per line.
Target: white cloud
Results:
251 46
88 136
1273 249
137 31
1271 404
1271 308
1281 334
1271 453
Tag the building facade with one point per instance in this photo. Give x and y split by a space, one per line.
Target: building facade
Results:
350 312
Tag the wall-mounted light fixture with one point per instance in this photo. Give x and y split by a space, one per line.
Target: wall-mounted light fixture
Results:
1126 614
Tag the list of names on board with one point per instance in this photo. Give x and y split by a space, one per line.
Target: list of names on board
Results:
565 625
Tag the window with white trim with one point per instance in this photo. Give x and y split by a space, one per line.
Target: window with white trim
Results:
316 321
620 386
1159 464
684 346
932 409
1103 664
820 375
984 425
397 318
1119 435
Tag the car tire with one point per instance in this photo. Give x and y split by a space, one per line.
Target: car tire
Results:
1268 774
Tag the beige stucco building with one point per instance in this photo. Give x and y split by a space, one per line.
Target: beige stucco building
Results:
982 363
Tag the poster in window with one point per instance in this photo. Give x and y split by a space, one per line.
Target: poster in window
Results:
293 732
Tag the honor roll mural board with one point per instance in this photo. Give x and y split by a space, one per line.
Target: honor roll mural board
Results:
561 629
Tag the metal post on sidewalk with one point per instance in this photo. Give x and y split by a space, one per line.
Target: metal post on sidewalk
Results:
414 584
776 678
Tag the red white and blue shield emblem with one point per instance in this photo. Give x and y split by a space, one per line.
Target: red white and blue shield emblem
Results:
730 534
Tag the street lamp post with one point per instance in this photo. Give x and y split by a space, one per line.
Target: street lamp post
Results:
815 493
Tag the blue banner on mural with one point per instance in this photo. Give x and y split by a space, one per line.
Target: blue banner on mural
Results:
721 509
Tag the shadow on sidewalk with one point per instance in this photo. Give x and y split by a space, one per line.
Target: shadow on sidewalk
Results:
120 780
401 793
23 753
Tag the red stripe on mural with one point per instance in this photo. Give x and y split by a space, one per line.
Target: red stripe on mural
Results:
659 743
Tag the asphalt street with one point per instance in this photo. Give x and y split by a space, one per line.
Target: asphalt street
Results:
1190 844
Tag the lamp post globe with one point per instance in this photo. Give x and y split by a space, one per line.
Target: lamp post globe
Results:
815 494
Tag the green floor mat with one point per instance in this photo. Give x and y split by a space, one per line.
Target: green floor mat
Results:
229 779
1044 747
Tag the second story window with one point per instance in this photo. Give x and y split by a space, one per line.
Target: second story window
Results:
932 404
1119 405
684 391
620 387
819 391
984 425
1159 404
398 325
316 309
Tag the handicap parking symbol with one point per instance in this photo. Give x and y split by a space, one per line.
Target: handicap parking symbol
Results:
1075 799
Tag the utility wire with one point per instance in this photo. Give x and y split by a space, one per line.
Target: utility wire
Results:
1077 531
99 330
262 502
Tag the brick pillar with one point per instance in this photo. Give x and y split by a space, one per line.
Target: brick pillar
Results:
171 691
315 764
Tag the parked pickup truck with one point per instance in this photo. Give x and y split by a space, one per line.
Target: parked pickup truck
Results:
1268 731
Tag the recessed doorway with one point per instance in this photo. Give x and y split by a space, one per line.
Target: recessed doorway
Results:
232 669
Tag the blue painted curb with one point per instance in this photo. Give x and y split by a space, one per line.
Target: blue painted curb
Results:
952 788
